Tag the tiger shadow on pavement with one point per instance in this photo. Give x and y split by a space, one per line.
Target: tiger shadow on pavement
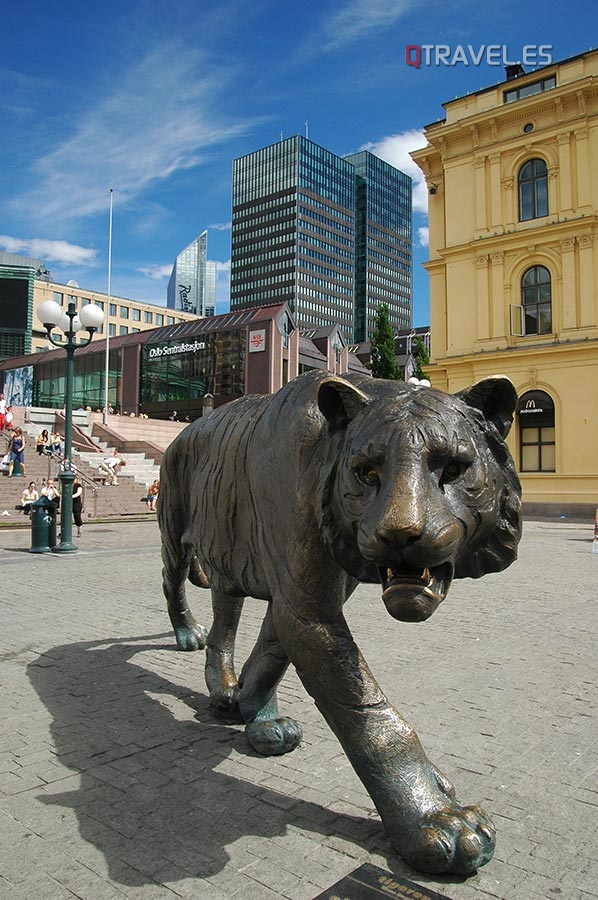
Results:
151 796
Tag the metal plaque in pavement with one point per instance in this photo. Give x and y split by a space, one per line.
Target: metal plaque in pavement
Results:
371 883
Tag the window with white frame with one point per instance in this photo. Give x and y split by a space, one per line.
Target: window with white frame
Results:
534 314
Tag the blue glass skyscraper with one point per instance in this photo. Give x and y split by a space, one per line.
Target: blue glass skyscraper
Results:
331 236
383 262
192 284
293 232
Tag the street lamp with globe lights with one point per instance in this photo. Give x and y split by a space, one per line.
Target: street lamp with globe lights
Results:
51 316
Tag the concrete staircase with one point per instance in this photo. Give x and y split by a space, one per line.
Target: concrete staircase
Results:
100 501
141 443
139 468
132 435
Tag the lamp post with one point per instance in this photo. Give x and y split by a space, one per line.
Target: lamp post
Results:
51 316
108 300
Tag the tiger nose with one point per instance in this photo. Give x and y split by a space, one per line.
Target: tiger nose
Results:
400 532
404 521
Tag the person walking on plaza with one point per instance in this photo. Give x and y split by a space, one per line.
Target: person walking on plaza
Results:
2 412
16 450
8 419
78 505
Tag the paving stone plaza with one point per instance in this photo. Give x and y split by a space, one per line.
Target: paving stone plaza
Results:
117 782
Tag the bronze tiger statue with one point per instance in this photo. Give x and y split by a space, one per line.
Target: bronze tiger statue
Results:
295 498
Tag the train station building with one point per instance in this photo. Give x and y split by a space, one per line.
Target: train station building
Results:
189 367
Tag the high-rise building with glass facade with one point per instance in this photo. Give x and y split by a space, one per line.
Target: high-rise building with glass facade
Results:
382 243
293 232
209 300
330 236
192 284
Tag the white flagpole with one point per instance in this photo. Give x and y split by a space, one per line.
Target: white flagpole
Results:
107 368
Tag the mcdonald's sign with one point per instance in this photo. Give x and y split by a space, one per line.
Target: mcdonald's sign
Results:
535 408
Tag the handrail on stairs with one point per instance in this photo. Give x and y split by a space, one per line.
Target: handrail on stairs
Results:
85 479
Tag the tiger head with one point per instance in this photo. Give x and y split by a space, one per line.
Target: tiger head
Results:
418 486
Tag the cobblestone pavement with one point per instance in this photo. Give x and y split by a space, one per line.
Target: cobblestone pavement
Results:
116 782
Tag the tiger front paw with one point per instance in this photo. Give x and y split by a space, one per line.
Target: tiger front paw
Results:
191 637
224 704
457 840
273 737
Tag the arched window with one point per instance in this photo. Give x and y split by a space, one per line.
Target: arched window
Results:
536 299
533 190
537 450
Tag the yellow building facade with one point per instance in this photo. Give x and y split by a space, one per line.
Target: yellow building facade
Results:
512 173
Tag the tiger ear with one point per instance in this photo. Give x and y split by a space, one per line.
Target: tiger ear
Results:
496 398
339 401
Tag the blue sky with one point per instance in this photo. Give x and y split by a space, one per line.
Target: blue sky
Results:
156 99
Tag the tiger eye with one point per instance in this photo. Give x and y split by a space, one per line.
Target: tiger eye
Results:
368 475
451 472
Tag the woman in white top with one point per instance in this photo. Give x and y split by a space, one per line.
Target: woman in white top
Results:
30 495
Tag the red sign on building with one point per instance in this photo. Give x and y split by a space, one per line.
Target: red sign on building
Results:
257 340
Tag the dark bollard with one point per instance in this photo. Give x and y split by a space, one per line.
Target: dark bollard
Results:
43 525
17 471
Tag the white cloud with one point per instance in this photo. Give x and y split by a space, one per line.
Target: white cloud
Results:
161 118
156 271
221 226
423 234
49 251
358 18
395 149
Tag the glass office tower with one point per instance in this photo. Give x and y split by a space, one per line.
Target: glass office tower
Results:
192 285
383 262
293 232
331 236
209 299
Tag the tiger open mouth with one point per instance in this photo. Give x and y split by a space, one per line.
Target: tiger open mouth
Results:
412 594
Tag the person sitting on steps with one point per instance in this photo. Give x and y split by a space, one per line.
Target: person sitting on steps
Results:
29 496
50 490
55 444
42 442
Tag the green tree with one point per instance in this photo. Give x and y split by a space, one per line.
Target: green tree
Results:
421 356
384 362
